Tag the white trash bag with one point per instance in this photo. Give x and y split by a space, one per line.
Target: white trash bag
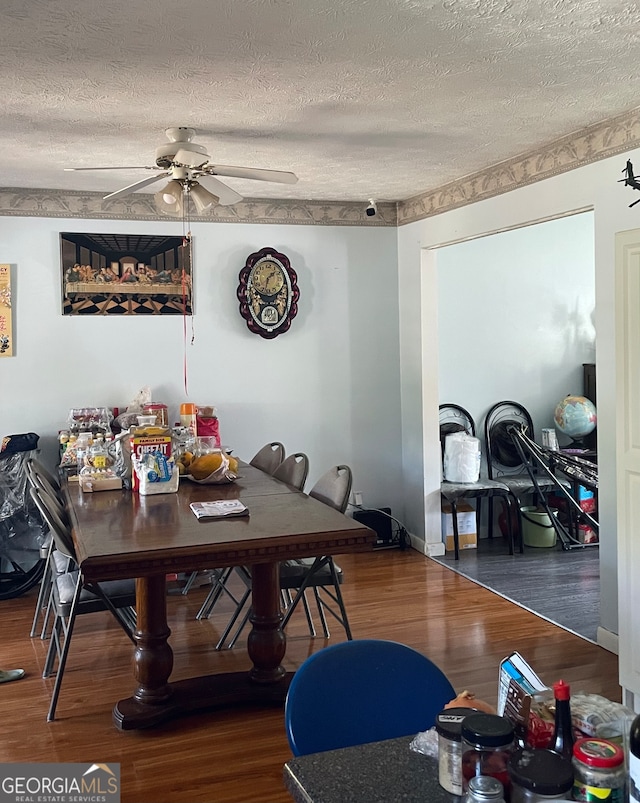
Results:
461 458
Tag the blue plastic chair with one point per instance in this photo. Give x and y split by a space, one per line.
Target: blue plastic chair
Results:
361 691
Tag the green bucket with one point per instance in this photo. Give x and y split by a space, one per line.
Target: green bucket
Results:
537 527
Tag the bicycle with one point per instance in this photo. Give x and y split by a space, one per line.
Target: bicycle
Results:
22 530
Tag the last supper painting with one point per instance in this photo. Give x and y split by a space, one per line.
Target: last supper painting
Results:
125 274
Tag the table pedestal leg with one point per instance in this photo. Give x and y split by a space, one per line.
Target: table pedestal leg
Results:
153 657
155 699
267 643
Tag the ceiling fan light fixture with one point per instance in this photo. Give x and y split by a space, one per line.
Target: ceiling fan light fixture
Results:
169 199
202 198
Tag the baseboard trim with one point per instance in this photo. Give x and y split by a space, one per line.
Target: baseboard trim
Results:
430 550
607 640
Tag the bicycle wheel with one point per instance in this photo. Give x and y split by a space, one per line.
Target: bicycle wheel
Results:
21 566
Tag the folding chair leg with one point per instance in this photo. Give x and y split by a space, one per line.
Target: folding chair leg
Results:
45 588
323 618
190 581
240 628
307 611
219 581
339 599
233 620
300 592
54 649
62 661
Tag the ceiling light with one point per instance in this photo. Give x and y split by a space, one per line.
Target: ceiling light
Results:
202 198
169 200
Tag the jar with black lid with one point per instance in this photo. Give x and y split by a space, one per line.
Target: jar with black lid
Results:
599 772
538 775
449 727
487 742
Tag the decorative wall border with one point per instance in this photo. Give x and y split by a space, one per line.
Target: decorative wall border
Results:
591 144
599 141
91 205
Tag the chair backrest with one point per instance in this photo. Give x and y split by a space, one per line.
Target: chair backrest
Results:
58 528
269 457
293 470
503 459
362 691
46 483
454 418
38 468
333 487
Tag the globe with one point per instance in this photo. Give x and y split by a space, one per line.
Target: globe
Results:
575 416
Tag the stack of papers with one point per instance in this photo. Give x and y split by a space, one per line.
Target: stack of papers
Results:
219 510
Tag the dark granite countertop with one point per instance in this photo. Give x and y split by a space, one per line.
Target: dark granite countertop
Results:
380 772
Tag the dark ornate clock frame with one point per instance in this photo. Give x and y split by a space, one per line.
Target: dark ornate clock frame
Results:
245 291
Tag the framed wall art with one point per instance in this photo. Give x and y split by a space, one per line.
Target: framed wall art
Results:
125 274
6 322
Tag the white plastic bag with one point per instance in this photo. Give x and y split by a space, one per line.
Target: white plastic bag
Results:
461 458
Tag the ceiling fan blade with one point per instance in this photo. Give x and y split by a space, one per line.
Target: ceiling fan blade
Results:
136 186
257 173
143 167
190 158
226 195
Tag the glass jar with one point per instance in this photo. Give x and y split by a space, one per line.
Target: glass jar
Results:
599 773
487 741
448 728
483 789
537 775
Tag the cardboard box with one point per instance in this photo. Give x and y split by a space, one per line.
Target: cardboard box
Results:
466 541
90 484
467 535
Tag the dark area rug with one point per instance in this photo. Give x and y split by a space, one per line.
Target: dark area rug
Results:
562 587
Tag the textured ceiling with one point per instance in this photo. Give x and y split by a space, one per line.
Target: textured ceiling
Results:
360 98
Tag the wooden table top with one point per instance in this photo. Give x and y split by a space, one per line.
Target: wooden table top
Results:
122 534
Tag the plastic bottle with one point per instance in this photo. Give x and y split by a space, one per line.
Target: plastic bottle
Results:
98 453
634 761
562 740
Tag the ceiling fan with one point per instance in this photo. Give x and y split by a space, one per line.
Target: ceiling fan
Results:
186 164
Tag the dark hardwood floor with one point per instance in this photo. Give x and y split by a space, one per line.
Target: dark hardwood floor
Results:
237 756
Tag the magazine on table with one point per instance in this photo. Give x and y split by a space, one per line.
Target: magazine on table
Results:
219 510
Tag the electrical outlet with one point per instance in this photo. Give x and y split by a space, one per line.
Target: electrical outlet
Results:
358 498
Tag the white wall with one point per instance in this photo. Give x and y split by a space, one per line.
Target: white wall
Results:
593 186
516 317
329 387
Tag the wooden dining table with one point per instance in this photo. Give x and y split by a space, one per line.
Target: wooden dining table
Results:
121 534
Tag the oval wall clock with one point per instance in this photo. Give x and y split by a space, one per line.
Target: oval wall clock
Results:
268 293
